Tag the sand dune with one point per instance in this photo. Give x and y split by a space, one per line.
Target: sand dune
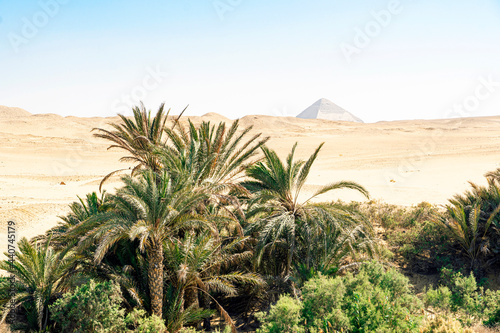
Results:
401 162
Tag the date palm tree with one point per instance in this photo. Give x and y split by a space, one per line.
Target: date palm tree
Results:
149 209
464 225
284 224
211 155
80 211
336 245
206 263
138 136
41 275
474 221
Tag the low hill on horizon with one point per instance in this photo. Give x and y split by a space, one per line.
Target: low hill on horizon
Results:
12 112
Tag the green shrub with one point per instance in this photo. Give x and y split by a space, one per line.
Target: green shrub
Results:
440 324
283 317
463 288
188 330
438 298
418 242
494 319
141 323
373 300
381 300
94 307
323 299
461 295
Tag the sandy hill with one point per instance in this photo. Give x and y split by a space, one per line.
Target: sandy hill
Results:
12 112
326 109
215 117
401 162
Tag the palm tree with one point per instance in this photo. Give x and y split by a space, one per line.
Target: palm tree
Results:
80 211
139 137
284 220
338 246
214 156
150 209
464 225
41 275
208 264
473 219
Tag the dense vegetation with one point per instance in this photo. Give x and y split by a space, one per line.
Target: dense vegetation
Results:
210 229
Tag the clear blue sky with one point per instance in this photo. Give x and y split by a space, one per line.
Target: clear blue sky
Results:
240 57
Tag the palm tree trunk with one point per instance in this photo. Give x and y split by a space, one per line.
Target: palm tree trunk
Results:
191 298
155 278
205 300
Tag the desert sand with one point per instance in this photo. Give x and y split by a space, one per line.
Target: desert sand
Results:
46 160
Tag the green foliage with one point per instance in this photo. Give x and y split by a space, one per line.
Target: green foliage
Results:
323 300
461 295
493 319
473 220
375 299
94 307
138 136
212 156
41 275
381 300
283 317
141 323
80 211
439 298
188 330
417 242
288 229
440 324
226 329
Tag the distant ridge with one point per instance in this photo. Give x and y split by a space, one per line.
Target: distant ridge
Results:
326 109
13 112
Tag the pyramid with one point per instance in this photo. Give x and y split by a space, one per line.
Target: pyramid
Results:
326 109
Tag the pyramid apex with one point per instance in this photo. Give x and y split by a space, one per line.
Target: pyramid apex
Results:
325 109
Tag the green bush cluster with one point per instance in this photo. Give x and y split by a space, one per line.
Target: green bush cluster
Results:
284 317
461 295
141 323
96 307
441 324
375 299
417 241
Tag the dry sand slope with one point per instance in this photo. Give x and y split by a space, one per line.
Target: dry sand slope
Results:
401 162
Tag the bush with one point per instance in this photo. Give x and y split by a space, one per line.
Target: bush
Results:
188 330
94 307
283 317
380 300
141 323
323 299
494 319
418 242
373 300
461 295
440 324
438 298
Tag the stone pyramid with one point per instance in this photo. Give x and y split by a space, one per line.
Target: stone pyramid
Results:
326 109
